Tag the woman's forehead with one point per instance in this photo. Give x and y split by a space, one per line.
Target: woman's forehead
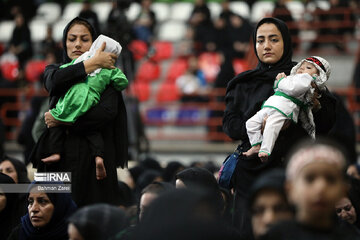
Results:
78 29
268 30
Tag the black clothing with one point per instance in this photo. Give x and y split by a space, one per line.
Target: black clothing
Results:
108 117
21 36
292 230
244 96
99 221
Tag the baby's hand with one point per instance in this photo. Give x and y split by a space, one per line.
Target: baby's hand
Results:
280 76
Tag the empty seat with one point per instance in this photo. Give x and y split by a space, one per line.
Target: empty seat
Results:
58 29
163 50
138 48
102 10
176 69
167 92
48 12
181 11
209 63
38 30
71 10
140 90
215 9
240 65
10 70
296 8
34 69
261 9
171 31
161 10
6 29
241 8
148 71
133 11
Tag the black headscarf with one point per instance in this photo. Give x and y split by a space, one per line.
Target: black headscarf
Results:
99 221
7 215
265 71
64 207
93 33
182 214
20 168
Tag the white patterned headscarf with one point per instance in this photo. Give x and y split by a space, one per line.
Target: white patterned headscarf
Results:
314 154
321 65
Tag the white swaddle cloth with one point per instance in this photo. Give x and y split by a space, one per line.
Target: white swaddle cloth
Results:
112 46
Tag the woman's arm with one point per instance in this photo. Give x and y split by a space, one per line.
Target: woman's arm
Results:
58 80
100 115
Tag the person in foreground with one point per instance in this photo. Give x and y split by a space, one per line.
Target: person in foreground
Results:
46 217
315 182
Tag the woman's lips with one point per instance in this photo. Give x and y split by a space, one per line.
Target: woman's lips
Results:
78 52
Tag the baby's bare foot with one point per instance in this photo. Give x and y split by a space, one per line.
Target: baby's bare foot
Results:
52 158
100 168
252 151
263 156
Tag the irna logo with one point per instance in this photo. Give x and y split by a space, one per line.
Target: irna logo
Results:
53 177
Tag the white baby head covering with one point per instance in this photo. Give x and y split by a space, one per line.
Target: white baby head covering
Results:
321 65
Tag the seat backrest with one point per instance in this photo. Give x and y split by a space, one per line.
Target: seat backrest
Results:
58 29
102 10
6 29
71 10
181 11
171 31
296 8
215 9
48 12
161 10
241 8
133 11
38 29
261 9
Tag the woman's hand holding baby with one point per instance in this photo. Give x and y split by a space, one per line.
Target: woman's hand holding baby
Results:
101 59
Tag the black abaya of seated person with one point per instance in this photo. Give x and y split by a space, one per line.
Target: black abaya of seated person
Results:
108 117
292 230
8 217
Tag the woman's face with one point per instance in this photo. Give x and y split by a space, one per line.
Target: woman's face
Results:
345 210
2 201
6 167
78 41
40 209
74 233
269 43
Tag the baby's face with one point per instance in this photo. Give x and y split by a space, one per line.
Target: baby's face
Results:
316 189
309 68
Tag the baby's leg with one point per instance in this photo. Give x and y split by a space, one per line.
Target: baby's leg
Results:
52 158
272 129
100 168
253 128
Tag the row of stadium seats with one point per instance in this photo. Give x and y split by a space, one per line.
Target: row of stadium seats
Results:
171 17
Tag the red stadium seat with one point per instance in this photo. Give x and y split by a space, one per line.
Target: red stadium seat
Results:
163 50
210 63
148 71
138 48
34 69
141 90
168 92
176 69
240 65
10 70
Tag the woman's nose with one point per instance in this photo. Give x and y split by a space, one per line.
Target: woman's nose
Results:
267 44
